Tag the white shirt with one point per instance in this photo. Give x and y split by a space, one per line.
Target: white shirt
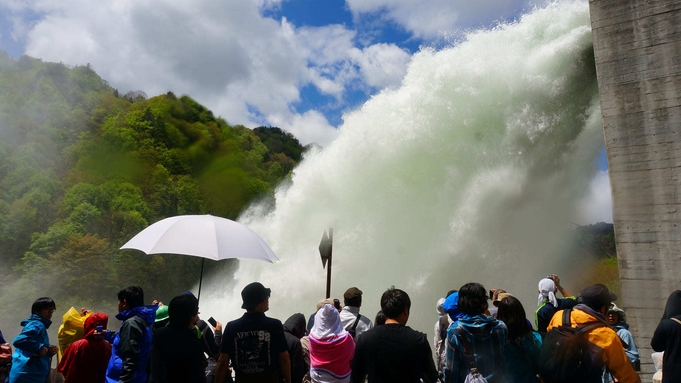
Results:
348 316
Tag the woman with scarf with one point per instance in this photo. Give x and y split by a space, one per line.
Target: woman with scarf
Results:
331 348
548 304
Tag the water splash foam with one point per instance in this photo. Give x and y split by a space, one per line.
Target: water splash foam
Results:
469 171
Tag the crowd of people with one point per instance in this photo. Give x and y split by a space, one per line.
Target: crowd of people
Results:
571 339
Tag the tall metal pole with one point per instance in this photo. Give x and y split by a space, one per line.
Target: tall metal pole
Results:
328 270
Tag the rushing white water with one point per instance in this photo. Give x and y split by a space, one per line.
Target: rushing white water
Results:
469 171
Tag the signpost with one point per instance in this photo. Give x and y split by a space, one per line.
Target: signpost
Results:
325 250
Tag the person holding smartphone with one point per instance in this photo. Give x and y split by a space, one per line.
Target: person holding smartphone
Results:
211 338
548 304
85 360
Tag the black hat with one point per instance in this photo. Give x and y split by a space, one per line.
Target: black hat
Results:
253 294
597 296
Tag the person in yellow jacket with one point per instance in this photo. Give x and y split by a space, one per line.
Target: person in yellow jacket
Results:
595 302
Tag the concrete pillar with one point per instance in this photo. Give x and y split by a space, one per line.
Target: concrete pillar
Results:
637 45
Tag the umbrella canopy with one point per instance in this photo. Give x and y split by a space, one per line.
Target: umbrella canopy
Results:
203 236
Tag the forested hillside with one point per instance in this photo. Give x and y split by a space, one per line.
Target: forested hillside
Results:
594 247
83 169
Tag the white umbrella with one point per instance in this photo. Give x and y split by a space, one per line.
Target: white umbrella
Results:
204 236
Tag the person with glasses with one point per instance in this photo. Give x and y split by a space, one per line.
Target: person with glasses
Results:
32 350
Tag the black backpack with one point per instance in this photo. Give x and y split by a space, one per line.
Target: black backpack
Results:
566 356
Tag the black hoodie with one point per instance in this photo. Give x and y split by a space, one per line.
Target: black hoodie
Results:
294 329
667 338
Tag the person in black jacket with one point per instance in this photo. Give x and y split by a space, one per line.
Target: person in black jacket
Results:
667 338
176 351
393 352
294 329
211 346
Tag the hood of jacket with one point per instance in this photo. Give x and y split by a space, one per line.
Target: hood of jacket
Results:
295 325
438 307
673 307
146 313
451 307
94 320
478 324
582 313
35 317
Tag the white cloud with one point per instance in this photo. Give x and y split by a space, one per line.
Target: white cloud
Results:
247 68
430 19
382 65
596 206
310 124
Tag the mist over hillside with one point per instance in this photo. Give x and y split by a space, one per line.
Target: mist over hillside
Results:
84 167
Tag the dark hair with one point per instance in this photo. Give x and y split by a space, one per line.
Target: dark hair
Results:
472 299
133 295
512 313
181 310
450 292
41 304
394 301
380 318
354 302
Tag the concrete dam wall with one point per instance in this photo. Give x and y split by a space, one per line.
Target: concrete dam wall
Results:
637 46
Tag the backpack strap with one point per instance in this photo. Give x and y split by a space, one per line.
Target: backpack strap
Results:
566 317
354 326
582 329
676 320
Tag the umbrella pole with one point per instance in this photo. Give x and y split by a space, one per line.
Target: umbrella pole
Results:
198 298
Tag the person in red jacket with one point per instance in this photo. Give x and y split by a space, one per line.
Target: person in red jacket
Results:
85 360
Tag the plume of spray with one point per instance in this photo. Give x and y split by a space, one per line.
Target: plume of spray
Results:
469 171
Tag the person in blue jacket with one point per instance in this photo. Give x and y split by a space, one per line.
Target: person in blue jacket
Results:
132 344
33 352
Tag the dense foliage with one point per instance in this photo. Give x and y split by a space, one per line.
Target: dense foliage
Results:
597 240
593 246
83 169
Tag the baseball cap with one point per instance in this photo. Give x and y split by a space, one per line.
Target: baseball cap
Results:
597 296
499 297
